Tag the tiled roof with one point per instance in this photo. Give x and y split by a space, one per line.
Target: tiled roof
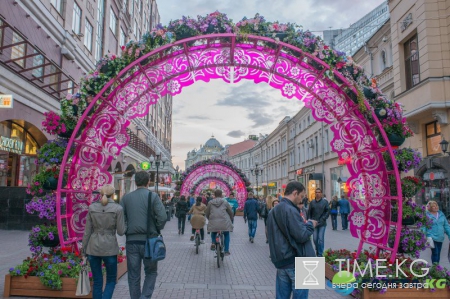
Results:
240 147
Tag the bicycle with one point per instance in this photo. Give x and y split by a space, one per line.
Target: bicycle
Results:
220 247
197 240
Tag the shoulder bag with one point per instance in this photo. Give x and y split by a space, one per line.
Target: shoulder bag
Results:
155 249
84 285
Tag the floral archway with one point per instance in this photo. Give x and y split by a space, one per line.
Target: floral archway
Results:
364 122
220 171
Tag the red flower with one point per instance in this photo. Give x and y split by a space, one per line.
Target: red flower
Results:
340 64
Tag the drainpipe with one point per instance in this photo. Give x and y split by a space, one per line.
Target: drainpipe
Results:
323 163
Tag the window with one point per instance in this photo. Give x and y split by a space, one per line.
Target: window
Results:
132 8
58 5
113 21
70 87
433 133
88 36
309 121
1 34
76 22
125 6
18 50
317 147
99 38
53 78
412 75
327 142
135 28
383 60
122 40
38 60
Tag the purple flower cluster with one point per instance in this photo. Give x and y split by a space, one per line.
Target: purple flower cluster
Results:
411 241
45 206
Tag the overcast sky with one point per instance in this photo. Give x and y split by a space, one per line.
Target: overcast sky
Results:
233 111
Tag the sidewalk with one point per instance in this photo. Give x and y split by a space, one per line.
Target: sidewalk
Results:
246 273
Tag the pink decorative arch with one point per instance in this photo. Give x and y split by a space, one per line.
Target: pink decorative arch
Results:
226 190
167 70
211 169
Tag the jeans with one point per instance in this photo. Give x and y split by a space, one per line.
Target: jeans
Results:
135 256
436 252
285 285
226 240
334 221
97 275
202 233
181 223
344 218
252 224
319 239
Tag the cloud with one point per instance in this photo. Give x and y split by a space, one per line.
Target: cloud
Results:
200 117
236 134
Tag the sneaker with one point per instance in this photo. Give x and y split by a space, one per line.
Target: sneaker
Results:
227 253
213 247
192 238
202 242
251 240
179 231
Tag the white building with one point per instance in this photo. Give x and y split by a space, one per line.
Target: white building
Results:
211 148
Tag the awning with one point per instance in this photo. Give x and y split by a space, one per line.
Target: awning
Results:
342 179
316 176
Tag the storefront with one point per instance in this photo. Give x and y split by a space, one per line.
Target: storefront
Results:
18 149
311 180
338 181
272 187
436 188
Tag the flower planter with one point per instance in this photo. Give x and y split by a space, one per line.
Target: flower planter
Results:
32 286
395 139
405 221
52 184
369 94
239 213
66 134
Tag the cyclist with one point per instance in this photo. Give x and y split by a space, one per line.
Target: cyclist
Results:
198 218
220 216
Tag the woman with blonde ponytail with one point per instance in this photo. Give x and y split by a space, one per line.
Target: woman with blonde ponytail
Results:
104 219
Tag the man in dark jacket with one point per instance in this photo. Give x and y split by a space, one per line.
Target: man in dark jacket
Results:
344 210
135 209
319 210
289 237
251 209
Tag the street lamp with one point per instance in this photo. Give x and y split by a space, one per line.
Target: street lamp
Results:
177 173
256 171
157 160
444 145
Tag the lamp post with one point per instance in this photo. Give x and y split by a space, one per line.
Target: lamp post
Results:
157 161
444 146
256 171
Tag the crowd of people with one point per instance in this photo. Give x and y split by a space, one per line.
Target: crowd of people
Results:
294 227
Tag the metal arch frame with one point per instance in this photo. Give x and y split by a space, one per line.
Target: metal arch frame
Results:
224 186
215 179
137 87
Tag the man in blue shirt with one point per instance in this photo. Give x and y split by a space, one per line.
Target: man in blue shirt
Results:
251 209
344 209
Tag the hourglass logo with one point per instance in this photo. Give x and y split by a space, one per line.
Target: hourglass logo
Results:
310 273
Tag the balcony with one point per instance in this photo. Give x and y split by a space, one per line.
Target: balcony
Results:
26 60
385 78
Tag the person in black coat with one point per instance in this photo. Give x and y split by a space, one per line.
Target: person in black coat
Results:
182 209
289 237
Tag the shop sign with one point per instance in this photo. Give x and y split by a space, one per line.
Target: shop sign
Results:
6 101
145 165
344 161
272 185
431 176
309 169
11 145
300 171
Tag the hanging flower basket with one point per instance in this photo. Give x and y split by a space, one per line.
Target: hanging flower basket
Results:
381 113
52 184
395 139
67 134
369 93
50 243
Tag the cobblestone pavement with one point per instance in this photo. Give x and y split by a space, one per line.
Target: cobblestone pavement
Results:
246 273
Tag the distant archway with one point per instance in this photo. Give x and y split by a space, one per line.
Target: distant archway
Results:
297 74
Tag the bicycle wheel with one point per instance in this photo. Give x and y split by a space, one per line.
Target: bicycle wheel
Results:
197 242
218 251
222 246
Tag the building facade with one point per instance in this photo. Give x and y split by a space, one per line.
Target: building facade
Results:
421 70
46 47
212 148
354 37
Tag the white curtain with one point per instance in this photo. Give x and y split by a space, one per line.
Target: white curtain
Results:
132 184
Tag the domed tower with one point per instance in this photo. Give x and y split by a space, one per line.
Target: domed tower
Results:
213 145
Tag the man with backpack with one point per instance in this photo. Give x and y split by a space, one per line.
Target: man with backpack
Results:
251 209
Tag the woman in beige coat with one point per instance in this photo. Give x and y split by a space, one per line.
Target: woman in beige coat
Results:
198 219
104 219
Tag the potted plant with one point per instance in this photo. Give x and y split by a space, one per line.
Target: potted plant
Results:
405 158
52 152
412 241
42 236
183 28
53 124
44 205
